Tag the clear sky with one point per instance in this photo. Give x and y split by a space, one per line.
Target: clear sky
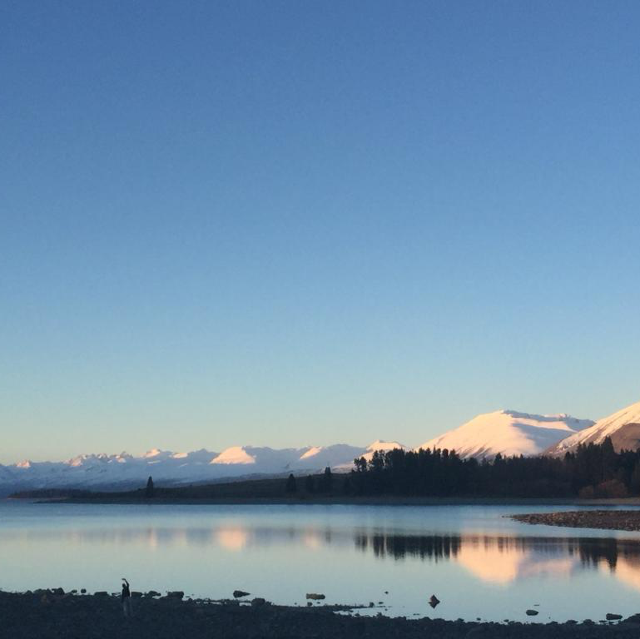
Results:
289 223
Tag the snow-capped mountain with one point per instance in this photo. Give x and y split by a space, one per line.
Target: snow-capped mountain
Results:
124 471
508 432
383 447
377 446
332 456
623 427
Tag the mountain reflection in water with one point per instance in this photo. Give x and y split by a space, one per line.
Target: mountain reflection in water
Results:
478 561
503 559
499 559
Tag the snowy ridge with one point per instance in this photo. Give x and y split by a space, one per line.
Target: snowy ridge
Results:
101 471
509 433
623 427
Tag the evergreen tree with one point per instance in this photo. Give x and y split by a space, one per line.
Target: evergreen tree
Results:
149 491
309 484
326 481
291 486
634 483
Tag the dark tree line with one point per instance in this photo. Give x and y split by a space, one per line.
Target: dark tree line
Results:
594 470
312 484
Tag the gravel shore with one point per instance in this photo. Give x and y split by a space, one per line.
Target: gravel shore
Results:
55 615
602 519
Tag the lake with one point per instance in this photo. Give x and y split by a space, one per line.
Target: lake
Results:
477 562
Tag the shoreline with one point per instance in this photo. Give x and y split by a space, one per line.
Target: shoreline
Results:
339 501
622 520
58 615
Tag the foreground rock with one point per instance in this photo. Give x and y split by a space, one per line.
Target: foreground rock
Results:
602 519
24 616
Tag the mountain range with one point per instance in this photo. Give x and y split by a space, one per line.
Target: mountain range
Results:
507 432
101 471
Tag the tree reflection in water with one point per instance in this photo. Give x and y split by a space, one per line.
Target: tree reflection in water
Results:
505 558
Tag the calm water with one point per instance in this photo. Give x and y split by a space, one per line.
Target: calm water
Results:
478 563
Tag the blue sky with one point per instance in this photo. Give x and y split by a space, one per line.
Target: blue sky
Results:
290 223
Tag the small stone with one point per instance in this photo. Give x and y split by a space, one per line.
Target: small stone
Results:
258 601
613 617
153 593
532 613
83 591
175 594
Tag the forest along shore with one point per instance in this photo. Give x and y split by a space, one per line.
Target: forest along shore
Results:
271 491
602 519
57 615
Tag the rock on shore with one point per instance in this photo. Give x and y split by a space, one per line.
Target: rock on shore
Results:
602 519
25 616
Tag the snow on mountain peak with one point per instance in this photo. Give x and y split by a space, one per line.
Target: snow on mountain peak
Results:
312 452
337 456
154 452
508 432
623 427
382 445
234 455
